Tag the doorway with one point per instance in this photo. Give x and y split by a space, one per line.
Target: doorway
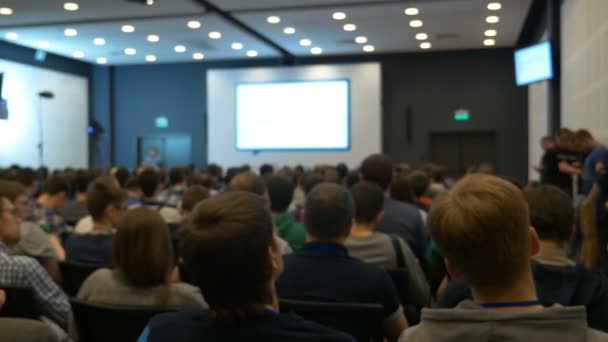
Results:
174 150
459 151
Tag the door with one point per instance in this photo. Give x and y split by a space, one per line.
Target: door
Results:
174 150
457 152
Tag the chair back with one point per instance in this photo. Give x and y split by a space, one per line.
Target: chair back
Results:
74 274
103 323
400 277
20 303
362 321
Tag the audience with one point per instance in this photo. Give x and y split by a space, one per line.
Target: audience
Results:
560 163
322 270
482 227
280 191
177 186
594 162
143 261
420 183
149 182
74 211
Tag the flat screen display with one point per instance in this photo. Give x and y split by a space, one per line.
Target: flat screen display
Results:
534 64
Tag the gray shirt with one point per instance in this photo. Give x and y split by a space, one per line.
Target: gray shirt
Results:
34 243
26 330
107 286
404 220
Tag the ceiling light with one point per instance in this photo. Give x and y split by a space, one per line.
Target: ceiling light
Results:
422 36
416 23
11 36
102 60
130 51
305 42
150 58
215 35
153 38
490 33
44 45
252 53
149 2
179 48
194 24
71 6
369 48
198 55
289 30
412 11
99 41
6 11
273 19
493 19
489 42
78 54
494 6
127 28
70 32
350 27
316 50
339 16
425 45
236 46
361 40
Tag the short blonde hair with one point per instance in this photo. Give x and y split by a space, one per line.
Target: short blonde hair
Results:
482 226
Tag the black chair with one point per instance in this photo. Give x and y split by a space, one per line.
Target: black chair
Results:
411 308
362 321
74 274
20 303
103 323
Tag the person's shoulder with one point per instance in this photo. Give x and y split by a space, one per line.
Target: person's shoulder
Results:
185 322
27 330
415 333
101 276
596 335
302 330
399 207
187 295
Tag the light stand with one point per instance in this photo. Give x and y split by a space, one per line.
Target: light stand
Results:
42 95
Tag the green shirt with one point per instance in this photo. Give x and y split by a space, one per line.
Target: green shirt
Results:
290 230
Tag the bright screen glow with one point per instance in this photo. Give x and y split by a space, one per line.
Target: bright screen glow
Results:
304 115
533 64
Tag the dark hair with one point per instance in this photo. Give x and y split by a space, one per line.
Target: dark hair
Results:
226 251
11 190
56 185
329 211
419 182
148 181
26 176
202 179
102 194
122 175
351 179
402 191
248 182
132 183
266 169
551 212
310 180
81 180
194 195
378 168
176 175
280 191
547 138
369 201
342 170
214 170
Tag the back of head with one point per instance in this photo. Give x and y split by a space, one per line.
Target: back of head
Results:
378 168
566 137
280 191
369 201
56 185
551 213
101 194
419 182
81 180
310 180
193 196
226 250
148 181
215 171
122 175
401 190
176 176
248 182
142 248
266 170
482 227
11 190
329 212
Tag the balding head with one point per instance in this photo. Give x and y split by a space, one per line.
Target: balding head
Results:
329 212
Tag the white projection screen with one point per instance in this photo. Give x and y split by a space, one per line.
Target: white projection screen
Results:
308 115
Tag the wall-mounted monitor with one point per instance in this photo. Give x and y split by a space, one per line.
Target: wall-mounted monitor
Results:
534 64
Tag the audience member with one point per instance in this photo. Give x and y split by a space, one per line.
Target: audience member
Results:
482 227
177 186
266 170
546 143
420 183
438 183
322 269
150 183
401 190
594 162
27 330
280 191
559 164
74 211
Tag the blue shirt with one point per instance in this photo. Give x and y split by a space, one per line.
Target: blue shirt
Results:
90 248
405 221
590 175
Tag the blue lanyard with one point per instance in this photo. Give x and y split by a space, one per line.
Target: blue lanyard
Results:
511 304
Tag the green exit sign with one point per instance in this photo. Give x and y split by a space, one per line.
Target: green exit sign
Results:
462 115
161 122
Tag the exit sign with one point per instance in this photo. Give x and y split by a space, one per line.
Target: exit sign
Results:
161 122
462 115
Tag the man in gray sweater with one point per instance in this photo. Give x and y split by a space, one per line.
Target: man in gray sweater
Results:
482 228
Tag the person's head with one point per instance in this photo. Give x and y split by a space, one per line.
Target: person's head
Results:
193 196
233 255
547 143
29 179
310 180
566 139
401 190
81 181
17 194
177 176
122 175
378 168
329 213
342 170
215 171
584 140
149 182
551 213
248 182
482 228
154 152
280 191
369 203
266 170
419 182
55 191
203 179
106 202
10 223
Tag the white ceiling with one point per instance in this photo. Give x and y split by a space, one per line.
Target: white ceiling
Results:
451 25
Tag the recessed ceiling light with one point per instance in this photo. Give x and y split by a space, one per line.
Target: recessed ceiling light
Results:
198 55
236 46
273 19
305 42
215 35
369 48
422 36
130 51
6 11
11 36
339 15
194 24
493 19
289 30
350 27
416 23
316 50
44 45
252 53
494 6
102 60
489 42
179 48
99 41
150 58
70 32
127 28
412 11
152 38
149 2
361 40
425 45
71 6
490 33
78 54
